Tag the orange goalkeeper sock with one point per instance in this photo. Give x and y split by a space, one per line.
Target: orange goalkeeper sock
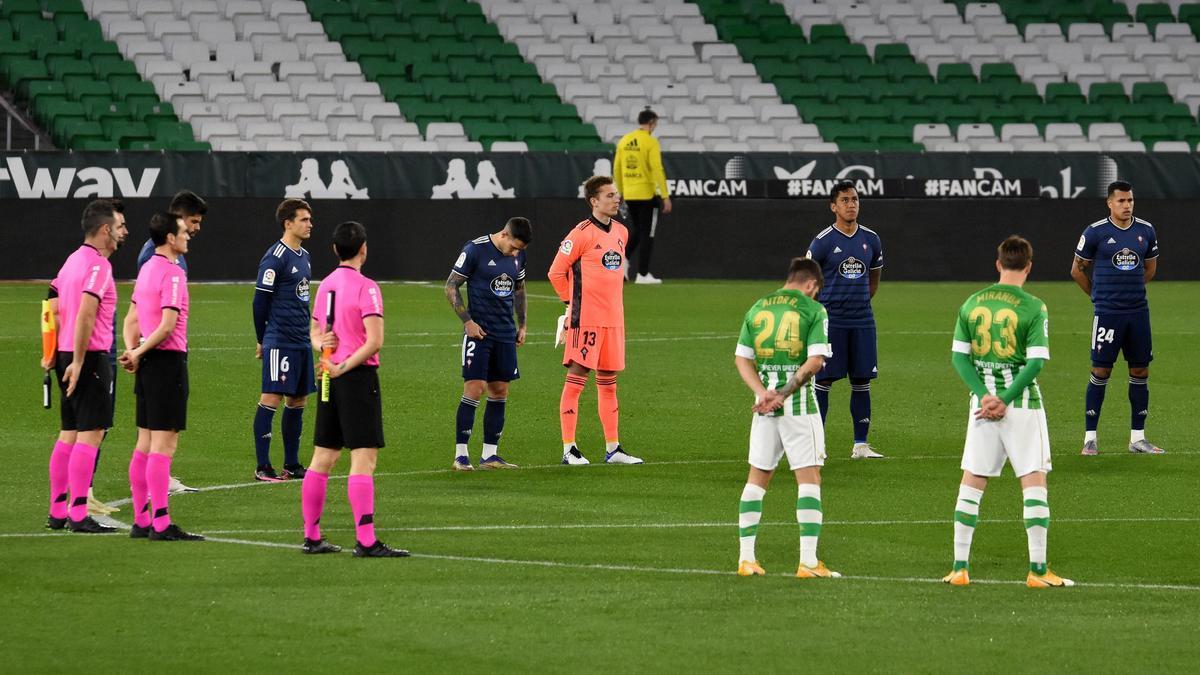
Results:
568 406
606 402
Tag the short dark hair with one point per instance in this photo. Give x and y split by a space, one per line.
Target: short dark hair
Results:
162 225
288 208
591 187
348 239
840 187
118 206
97 214
1014 253
520 229
1121 185
187 203
803 269
647 116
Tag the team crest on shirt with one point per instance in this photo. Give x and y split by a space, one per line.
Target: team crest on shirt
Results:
852 268
302 290
502 286
611 260
1125 260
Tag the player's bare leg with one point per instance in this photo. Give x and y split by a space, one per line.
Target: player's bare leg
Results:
1139 407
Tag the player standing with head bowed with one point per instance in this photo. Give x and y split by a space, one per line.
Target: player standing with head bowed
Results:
1001 341
781 347
493 268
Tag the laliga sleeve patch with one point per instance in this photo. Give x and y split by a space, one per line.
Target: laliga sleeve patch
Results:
268 278
1082 242
462 258
566 246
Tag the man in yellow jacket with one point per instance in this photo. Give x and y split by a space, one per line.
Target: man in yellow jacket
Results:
639 176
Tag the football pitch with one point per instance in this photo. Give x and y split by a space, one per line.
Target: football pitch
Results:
616 568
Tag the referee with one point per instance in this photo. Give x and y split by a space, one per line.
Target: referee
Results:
638 174
157 323
348 319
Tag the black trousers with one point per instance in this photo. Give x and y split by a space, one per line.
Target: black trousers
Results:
643 219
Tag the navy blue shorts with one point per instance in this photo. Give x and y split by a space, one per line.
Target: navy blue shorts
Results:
1125 333
854 354
489 360
287 371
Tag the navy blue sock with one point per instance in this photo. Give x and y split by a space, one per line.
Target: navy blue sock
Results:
1139 402
1093 401
493 420
264 418
290 427
822 392
860 409
464 421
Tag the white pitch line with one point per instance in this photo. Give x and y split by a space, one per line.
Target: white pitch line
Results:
729 524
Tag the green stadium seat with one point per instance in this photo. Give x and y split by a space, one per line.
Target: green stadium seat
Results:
886 53
901 71
828 33
955 72
869 113
93 144
1151 92
1107 92
911 114
1064 92
327 9
999 74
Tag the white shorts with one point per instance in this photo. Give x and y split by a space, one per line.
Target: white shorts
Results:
1020 437
800 437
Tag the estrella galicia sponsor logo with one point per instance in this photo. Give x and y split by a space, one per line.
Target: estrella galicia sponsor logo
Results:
1125 260
302 290
611 260
852 268
502 286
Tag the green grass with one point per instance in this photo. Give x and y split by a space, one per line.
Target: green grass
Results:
604 567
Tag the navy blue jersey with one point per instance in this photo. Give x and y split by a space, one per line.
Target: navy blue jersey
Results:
491 282
147 253
1119 263
285 274
846 262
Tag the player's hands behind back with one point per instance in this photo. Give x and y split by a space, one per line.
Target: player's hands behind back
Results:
991 408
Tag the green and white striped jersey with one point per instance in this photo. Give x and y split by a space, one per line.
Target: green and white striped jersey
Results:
780 332
1001 327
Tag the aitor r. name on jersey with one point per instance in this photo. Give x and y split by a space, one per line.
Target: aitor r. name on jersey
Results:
286 273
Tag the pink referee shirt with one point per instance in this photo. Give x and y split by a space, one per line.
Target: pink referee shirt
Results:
355 298
85 271
161 284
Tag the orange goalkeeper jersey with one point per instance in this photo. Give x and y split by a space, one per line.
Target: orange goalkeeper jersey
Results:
587 273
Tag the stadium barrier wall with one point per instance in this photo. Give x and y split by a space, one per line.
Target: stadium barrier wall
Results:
354 176
927 240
